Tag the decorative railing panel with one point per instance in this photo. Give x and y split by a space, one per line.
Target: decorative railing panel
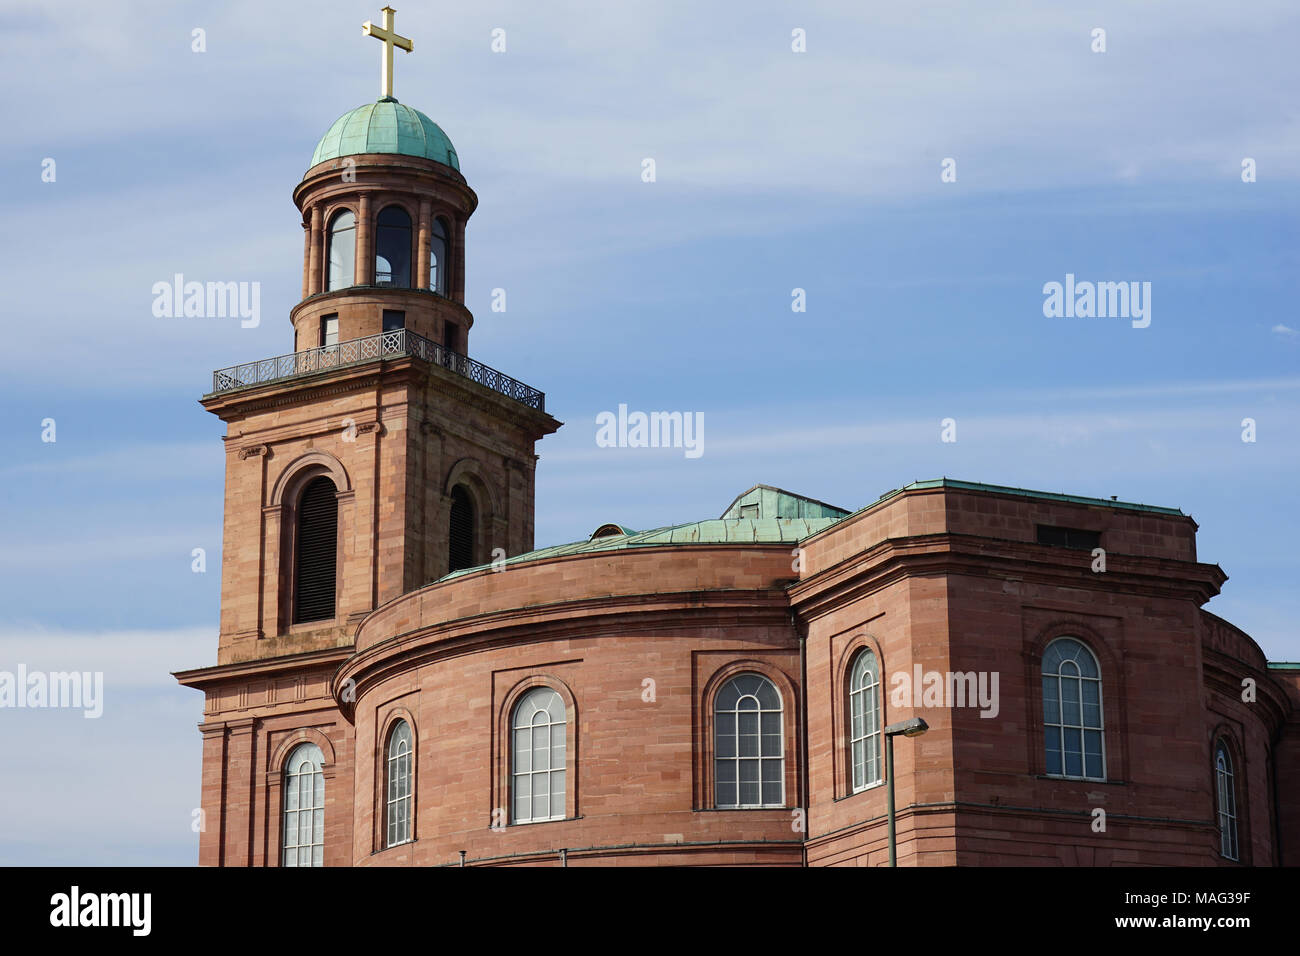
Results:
400 342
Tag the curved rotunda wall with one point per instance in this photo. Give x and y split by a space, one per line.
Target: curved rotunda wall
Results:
1246 708
599 577
636 678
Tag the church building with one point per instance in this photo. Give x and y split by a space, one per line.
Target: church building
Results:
1006 676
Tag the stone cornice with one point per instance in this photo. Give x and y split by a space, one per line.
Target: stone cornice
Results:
627 613
395 171
205 677
893 559
435 300
1223 675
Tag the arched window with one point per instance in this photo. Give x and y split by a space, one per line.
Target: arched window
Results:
393 247
864 711
343 250
460 537
304 807
748 744
438 258
398 776
316 551
537 757
1225 784
1072 719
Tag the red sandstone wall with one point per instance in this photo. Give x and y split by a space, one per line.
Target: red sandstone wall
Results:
453 656
639 779
251 723
1286 757
904 623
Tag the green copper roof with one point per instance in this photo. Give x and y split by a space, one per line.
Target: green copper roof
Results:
767 515
764 501
386 127
715 531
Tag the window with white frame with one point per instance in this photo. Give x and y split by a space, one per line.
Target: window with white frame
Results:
438 261
303 840
1073 731
398 814
342 251
748 744
864 714
1225 785
537 757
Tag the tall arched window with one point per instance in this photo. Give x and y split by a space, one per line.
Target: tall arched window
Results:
1072 720
864 712
537 757
303 842
343 250
748 744
316 552
438 259
460 537
1225 785
398 812
393 247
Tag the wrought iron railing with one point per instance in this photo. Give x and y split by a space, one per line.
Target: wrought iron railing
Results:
399 342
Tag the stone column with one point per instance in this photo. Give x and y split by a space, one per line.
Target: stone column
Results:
241 790
365 270
457 285
431 439
212 839
306 258
313 259
422 248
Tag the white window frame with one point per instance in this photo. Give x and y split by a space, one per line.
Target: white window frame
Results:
736 759
397 784
865 730
1059 727
304 779
534 712
1225 786
333 262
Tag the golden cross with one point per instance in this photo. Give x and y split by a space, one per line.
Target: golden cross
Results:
391 39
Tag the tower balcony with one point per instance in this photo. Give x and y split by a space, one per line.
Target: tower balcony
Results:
398 343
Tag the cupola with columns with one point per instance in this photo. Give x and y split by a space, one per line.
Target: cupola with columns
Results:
384 209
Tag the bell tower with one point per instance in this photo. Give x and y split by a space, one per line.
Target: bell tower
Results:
378 455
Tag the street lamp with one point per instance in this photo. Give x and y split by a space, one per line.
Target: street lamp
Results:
912 727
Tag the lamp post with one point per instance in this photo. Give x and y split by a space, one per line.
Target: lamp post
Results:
912 727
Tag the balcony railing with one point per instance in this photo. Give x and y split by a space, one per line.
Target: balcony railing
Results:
400 342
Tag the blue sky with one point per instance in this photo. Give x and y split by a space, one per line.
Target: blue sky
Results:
775 171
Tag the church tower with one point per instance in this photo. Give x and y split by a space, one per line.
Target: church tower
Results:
377 456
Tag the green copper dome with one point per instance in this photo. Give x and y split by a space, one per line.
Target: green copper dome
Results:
386 127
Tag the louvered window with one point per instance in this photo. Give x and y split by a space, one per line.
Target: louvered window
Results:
318 519
461 537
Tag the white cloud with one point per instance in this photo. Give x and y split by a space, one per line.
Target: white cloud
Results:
131 660
140 760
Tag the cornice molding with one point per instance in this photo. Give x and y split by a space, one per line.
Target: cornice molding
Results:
893 559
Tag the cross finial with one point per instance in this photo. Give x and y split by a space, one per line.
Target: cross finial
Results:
391 39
